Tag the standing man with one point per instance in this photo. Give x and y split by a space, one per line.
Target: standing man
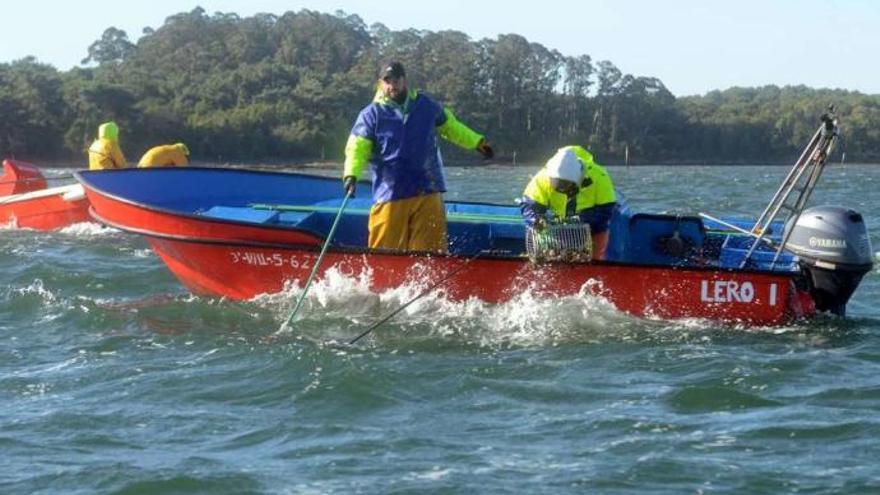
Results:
168 155
572 184
397 135
104 153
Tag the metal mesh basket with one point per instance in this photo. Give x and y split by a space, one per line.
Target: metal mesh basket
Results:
562 242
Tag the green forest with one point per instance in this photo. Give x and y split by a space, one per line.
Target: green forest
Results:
288 88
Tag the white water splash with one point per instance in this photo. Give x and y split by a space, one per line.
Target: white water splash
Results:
333 296
527 319
88 230
530 319
37 288
344 306
50 369
436 473
11 224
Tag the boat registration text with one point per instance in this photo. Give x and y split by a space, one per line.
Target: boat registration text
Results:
269 259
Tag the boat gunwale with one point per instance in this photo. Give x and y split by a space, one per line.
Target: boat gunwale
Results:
230 170
47 192
180 213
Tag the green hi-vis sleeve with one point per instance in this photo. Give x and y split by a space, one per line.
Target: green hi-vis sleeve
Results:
457 133
357 154
602 184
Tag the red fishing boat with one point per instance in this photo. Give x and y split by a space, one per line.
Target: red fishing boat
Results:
27 202
240 233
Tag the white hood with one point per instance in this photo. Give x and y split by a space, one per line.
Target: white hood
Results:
565 165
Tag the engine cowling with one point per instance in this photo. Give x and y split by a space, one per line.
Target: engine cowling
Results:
834 250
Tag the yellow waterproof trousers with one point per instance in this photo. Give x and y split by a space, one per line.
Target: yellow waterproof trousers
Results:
411 224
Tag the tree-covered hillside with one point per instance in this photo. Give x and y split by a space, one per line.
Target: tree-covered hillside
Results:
288 87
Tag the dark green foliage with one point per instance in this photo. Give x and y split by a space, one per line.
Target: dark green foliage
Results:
113 47
290 86
30 102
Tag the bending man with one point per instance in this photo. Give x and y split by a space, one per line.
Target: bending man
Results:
572 184
397 135
169 155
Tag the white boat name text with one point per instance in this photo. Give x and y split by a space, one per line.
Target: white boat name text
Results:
728 291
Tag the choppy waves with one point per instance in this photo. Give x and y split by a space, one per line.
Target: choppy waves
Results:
115 379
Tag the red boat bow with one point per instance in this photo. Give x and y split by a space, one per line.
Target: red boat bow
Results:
26 202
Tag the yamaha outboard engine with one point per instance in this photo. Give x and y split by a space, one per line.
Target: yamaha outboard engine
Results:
835 252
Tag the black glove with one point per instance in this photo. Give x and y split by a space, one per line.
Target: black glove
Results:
484 149
349 185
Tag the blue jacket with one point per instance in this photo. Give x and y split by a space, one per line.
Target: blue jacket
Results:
400 144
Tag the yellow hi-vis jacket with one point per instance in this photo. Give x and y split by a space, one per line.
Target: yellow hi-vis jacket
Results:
169 155
593 201
104 153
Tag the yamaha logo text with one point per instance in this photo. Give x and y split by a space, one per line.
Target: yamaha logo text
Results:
827 243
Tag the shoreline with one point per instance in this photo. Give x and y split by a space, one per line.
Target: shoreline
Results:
328 164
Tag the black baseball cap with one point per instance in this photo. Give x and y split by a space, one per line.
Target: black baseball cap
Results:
392 69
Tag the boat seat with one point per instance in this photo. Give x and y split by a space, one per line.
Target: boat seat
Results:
241 214
665 239
292 217
352 230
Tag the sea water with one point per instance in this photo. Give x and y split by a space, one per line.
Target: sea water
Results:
114 379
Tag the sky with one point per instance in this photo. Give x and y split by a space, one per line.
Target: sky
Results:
693 46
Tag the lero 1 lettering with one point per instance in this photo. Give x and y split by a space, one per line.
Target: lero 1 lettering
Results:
726 291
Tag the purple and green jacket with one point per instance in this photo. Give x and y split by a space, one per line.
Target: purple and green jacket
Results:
400 144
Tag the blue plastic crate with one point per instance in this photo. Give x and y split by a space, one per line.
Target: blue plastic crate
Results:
735 248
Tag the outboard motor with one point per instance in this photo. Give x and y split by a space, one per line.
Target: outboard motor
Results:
835 252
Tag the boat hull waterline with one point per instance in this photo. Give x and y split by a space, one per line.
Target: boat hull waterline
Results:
245 271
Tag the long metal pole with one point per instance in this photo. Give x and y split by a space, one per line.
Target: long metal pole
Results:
818 168
308 283
782 194
788 178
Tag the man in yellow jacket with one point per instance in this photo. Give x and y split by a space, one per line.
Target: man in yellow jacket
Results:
104 153
572 184
169 155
